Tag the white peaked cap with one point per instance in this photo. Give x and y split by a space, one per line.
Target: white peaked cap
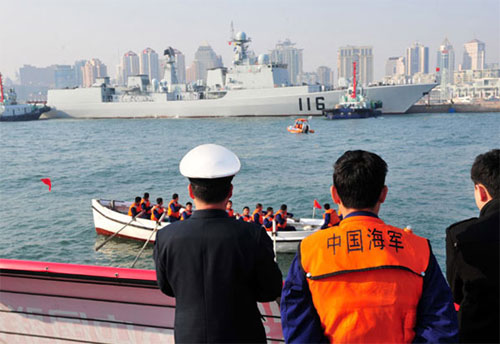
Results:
209 161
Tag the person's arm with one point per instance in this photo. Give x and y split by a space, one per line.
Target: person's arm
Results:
289 215
267 223
268 275
256 218
452 274
299 319
134 212
161 276
327 221
436 316
279 219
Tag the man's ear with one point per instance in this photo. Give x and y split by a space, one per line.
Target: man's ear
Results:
230 192
190 190
335 195
482 192
383 194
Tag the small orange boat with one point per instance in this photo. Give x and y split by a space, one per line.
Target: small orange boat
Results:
301 126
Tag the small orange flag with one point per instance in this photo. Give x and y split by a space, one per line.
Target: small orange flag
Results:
47 181
317 205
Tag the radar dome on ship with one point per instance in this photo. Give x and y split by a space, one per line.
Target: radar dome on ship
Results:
263 59
241 36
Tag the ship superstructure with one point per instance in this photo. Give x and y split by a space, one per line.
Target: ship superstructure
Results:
251 87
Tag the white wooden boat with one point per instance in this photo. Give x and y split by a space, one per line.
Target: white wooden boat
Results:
111 216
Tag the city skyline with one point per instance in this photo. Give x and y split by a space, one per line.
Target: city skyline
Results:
58 34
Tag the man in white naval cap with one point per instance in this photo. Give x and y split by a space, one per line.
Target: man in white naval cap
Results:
216 267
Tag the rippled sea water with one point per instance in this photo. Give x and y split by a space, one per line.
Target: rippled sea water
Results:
429 158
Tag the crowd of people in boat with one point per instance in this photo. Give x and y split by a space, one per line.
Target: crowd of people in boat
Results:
175 211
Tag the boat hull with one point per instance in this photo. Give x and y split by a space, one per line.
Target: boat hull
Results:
31 116
43 302
351 113
108 221
280 101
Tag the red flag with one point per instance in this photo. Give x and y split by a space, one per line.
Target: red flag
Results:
317 205
437 69
47 181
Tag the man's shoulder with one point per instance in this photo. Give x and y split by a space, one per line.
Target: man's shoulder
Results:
461 226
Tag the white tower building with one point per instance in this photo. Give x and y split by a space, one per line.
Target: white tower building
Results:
363 56
417 59
286 53
474 55
129 66
149 64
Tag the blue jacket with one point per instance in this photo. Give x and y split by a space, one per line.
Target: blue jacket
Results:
436 316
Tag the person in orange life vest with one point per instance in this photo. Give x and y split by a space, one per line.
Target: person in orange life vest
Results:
280 217
186 214
245 215
268 220
257 215
330 217
229 209
146 206
158 210
364 280
135 208
174 208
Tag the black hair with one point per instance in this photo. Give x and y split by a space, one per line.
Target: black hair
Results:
485 170
283 207
326 206
246 208
269 209
146 195
159 200
211 190
258 205
138 199
189 203
174 196
359 177
230 201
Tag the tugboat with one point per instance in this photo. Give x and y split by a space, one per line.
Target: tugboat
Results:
11 111
301 126
353 104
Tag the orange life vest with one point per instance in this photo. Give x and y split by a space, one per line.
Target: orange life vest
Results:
366 280
186 213
159 209
256 211
284 217
247 218
230 212
172 213
270 219
135 206
334 218
146 204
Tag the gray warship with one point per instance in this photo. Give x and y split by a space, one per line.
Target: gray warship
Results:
248 88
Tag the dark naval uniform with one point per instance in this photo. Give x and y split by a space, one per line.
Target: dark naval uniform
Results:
217 268
472 261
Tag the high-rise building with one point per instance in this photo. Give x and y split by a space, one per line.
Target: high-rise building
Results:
93 69
149 64
129 66
445 63
474 55
180 63
64 76
395 66
417 59
78 70
324 75
37 76
363 56
204 58
286 53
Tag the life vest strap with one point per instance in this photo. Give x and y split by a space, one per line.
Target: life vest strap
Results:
336 273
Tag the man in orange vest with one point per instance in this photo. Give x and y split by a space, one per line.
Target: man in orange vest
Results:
173 211
146 205
330 217
268 219
186 214
229 209
281 219
158 210
257 215
364 280
245 215
135 208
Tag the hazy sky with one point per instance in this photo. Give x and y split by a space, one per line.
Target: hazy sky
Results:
45 32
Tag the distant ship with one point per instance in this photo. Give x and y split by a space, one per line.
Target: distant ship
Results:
11 111
251 87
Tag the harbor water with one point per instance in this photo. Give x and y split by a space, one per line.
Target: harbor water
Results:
429 158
